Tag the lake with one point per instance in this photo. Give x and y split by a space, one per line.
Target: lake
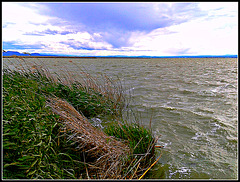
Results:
192 104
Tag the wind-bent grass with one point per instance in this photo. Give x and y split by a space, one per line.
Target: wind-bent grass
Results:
39 143
87 94
140 141
31 146
28 91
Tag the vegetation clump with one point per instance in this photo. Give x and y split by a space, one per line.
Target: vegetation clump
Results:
47 135
140 142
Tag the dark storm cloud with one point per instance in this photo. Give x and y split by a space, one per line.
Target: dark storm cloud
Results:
125 16
115 21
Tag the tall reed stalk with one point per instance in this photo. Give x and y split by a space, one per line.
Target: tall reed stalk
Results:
47 134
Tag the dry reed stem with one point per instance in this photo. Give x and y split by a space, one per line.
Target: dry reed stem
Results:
109 153
135 170
100 84
150 166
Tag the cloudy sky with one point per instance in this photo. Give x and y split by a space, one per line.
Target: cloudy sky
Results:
127 29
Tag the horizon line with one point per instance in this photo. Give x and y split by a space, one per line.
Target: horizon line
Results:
117 56
25 54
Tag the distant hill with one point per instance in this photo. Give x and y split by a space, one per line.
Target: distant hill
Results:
11 53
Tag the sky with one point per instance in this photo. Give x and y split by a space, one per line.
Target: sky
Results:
121 29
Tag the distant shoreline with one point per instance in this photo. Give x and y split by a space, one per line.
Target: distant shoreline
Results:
46 57
97 57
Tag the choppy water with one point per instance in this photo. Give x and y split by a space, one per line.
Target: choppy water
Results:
193 103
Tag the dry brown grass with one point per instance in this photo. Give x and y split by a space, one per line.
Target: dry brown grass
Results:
110 155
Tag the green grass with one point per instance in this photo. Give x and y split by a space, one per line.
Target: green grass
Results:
139 139
34 146
31 145
87 101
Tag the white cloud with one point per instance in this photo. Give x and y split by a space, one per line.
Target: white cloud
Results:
223 7
19 20
202 36
21 24
15 12
216 33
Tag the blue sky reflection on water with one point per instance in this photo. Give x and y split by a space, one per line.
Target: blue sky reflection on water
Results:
124 28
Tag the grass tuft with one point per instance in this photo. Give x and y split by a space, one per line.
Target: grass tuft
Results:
140 141
46 133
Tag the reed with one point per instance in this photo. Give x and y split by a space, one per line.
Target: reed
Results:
140 141
31 146
92 96
47 135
